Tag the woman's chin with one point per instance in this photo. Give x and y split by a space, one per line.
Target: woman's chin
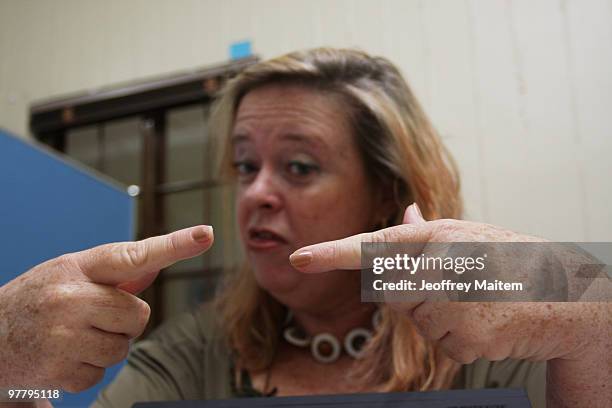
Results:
277 280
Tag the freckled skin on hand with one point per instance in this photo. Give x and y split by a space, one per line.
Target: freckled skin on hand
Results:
575 338
60 328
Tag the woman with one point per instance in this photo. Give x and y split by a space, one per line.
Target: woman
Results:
322 145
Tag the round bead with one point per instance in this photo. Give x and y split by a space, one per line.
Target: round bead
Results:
325 348
295 336
355 341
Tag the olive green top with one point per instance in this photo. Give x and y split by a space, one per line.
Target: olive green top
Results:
186 359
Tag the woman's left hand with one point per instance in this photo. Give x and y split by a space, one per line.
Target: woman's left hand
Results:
471 330
575 338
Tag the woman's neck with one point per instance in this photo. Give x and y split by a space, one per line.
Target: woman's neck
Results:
337 319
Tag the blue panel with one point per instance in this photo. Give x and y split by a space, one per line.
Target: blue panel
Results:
240 50
49 207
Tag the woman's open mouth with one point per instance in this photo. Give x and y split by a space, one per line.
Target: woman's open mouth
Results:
260 239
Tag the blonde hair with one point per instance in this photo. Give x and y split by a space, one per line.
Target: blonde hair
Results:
402 153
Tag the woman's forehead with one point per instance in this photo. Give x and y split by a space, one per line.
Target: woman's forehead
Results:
292 112
289 99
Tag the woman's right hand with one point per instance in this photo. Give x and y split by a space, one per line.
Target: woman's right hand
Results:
64 321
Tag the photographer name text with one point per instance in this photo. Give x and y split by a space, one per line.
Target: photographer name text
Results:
446 284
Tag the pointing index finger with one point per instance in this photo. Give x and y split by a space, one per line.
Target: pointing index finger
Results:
346 253
121 262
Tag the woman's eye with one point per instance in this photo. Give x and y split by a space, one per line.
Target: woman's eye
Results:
301 169
244 168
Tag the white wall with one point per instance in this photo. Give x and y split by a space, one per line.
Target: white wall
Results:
520 90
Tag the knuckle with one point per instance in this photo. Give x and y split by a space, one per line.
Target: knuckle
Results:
56 297
63 263
377 237
384 235
51 298
63 260
398 233
353 252
330 252
334 251
103 301
133 255
172 243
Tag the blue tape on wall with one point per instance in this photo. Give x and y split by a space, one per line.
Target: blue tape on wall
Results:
240 49
49 207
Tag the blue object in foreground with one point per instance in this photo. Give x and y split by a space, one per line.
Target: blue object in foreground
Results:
49 207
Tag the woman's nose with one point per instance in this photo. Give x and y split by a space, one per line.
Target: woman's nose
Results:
264 192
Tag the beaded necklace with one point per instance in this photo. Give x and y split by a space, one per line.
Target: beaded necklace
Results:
325 347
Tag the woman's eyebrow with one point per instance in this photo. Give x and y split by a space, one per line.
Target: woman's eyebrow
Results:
310 140
239 137
313 140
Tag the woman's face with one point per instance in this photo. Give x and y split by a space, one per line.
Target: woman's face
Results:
301 180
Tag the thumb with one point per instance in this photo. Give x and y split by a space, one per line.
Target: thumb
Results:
413 215
134 265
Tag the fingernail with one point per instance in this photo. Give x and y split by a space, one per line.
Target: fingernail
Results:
300 259
202 233
418 210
